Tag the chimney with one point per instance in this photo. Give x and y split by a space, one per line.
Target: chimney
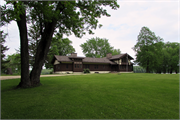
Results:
73 54
108 55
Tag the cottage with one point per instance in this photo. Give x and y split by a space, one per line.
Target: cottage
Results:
73 63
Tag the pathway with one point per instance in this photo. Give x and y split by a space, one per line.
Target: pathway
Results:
14 77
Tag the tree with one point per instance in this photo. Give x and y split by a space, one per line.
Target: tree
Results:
50 15
175 56
171 57
157 61
98 48
14 62
138 69
146 48
34 36
59 46
116 52
3 49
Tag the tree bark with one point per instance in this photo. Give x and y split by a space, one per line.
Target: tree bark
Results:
25 81
41 53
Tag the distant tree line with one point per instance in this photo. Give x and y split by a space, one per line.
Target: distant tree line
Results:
154 55
138 69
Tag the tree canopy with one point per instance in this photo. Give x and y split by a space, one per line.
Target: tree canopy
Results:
14 63
154 55
145 48
65 17
3 50
98 48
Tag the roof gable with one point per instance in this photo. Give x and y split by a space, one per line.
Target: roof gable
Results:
120 56
62 58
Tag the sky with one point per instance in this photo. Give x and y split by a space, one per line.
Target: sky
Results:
124 25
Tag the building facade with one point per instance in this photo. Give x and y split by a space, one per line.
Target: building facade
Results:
73 63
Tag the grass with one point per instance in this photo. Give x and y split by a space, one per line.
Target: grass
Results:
94 96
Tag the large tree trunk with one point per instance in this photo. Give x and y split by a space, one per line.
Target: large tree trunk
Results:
41 53
25 81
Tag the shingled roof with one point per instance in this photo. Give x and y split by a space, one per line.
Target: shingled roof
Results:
97 60
119 56
62 58
90 60
86 59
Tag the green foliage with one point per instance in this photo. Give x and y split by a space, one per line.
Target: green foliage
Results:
98 48
3 50
146 49
170 57
86 70
11 11
138 69
116 52
14 63
154 55
100 96
34 37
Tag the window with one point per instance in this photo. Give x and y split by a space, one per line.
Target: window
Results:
86 66
57 67
103 66
75 65
66 66
123 60
96 66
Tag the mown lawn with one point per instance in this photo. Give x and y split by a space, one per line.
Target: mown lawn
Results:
95 96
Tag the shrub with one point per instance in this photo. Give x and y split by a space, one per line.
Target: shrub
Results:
86 70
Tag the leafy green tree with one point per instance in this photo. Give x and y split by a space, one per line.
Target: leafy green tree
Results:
50 15
175 56
15 62
171 57
157 62
138 69
59 46
98 48
116 52
146 48
34 37
3 49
